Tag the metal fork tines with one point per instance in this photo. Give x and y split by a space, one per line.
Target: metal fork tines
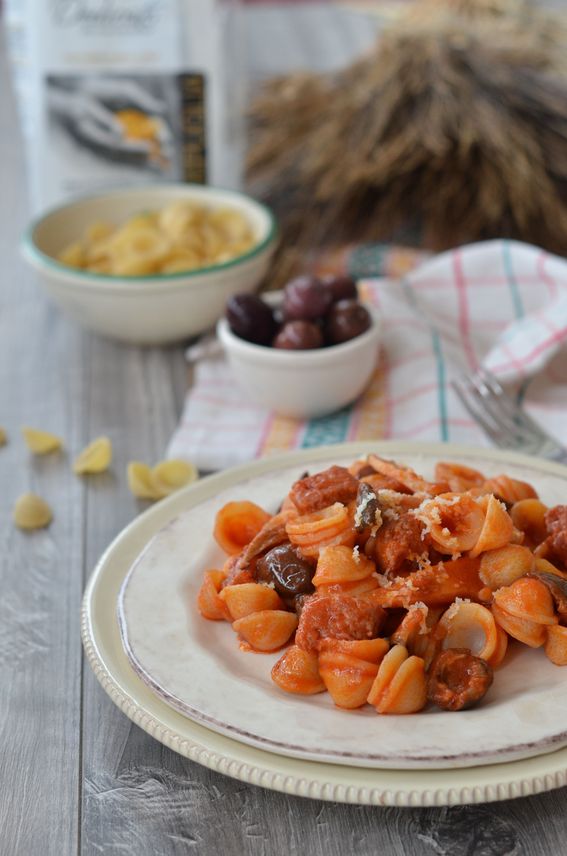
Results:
503 419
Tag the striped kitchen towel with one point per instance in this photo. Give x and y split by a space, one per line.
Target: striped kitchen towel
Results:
499 303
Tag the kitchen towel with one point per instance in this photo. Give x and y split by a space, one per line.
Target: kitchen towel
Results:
500 303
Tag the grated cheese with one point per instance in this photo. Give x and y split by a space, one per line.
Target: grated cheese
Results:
421 559
454 608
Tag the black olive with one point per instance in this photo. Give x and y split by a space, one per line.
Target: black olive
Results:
305 299
346 320
287 569
251 319
298 336
341 287
366 507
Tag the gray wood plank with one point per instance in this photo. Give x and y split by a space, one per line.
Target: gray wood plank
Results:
135 397
41 384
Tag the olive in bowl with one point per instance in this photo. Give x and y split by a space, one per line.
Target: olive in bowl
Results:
312 313
302 383
346 320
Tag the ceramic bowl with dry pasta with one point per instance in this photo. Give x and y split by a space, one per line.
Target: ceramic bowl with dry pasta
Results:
154 264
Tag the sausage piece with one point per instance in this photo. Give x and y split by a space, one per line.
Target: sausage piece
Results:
313 493
457 679
396 540
337 617
556 523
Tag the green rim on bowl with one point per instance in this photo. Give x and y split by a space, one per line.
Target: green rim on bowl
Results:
29 247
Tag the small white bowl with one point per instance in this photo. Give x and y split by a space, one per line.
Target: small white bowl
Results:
303 384
146 310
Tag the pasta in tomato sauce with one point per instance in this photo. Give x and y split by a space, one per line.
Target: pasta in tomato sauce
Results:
387 589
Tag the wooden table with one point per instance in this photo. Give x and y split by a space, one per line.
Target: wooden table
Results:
76 776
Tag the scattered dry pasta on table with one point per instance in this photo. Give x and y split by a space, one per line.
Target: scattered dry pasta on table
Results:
163 479
182 236
390 589
95 458
41 442
32 512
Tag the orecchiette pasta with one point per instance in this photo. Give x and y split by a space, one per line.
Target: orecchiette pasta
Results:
454 522
556 645
503 566
525 610
348 678
171 475
236 525
338 565
164 478
246 598
458 477
497 528
139 477
297 671
41 442
95 458
509 489
209 603
267 629
32 512
329 527
392 589
528 515
469 625
182 236
400 685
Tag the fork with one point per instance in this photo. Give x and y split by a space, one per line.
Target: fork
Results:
502 418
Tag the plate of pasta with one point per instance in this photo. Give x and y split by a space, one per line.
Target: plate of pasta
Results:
399 610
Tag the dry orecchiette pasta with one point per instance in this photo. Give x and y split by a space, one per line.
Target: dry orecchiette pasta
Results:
182 236
41 442
169 476
32 512
140 480
164 478
95 458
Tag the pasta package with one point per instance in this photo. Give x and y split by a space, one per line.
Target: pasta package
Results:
117 92
387 589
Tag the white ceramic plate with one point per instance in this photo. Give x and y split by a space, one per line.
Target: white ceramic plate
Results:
322 780
198 667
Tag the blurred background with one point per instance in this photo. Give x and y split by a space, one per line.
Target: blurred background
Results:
429 123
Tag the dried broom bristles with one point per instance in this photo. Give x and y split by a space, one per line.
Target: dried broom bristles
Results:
460 130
